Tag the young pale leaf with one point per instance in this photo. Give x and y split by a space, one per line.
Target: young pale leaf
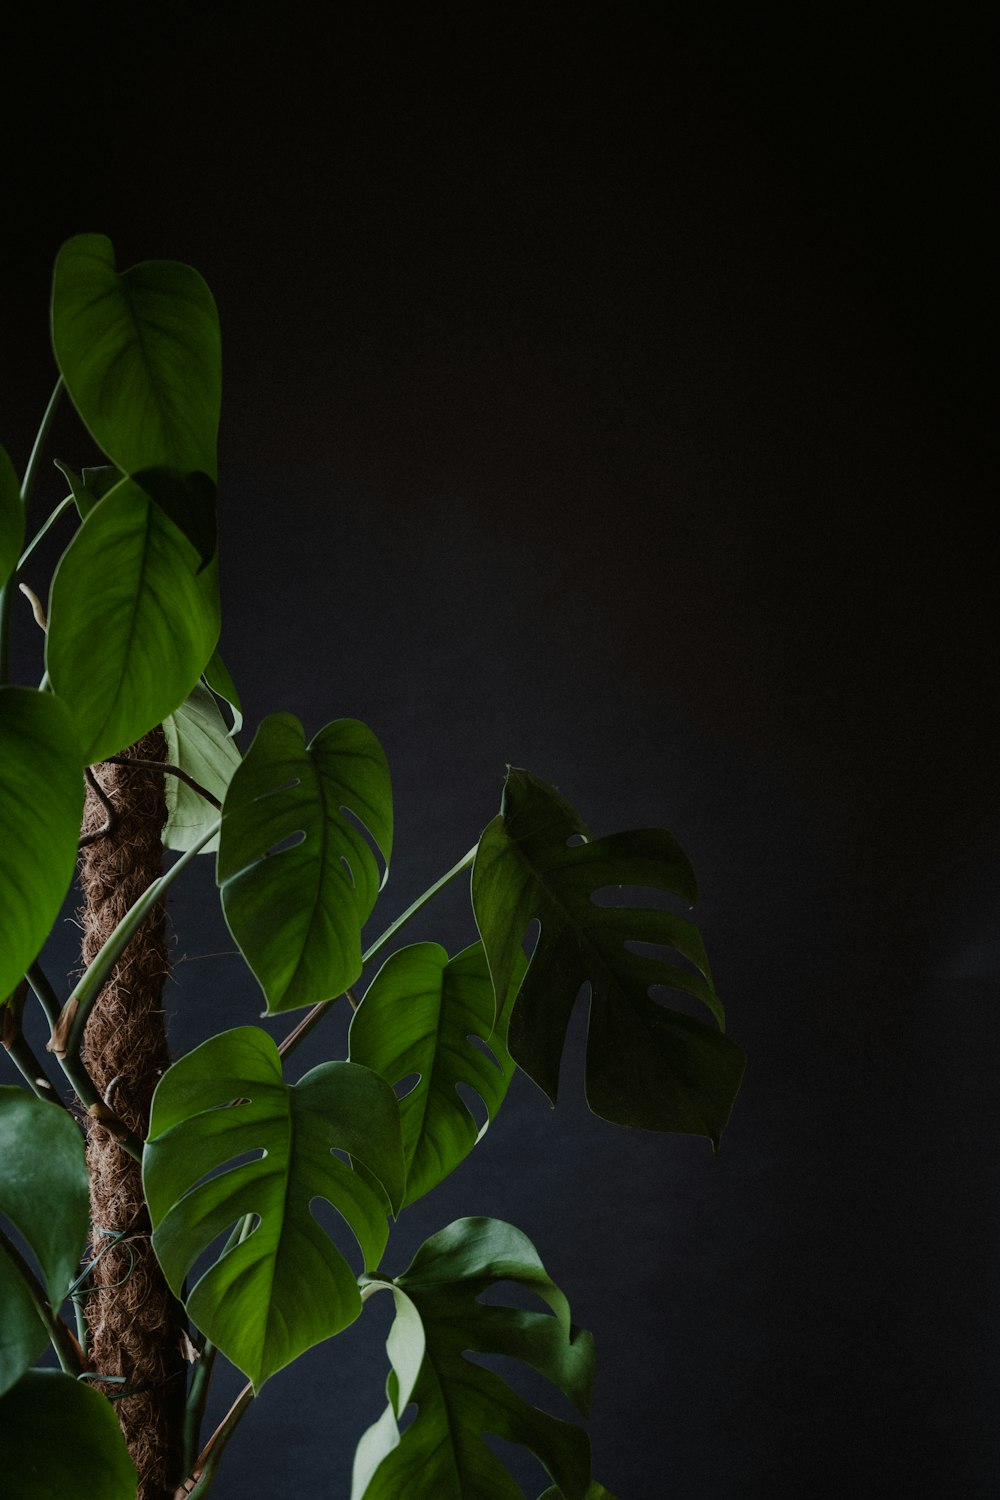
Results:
418 1016
11 518
286 1286
200 744
647 1065
140 354
297 911
60 1438
44 1194
438 1319
131 621
216 676
41 803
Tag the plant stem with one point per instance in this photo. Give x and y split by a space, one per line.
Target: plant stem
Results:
67 1033
207 1464
32 1072
27 486
161 765
65 1345
314 1016
63 506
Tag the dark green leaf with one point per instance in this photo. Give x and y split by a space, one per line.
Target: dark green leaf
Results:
90 485
438 1319
11 518
60 1440
140 355
596 1492
189 500
647 1065
41 803
199 743
216 676
44 1193
131 622
418 1016
297 911
286 1286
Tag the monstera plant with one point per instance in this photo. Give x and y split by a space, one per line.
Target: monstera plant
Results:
157 1217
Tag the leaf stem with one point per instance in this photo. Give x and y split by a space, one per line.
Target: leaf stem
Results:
162 765
63 506
66 1347
206 1466
34 461
67 1032
314 1016
31 1070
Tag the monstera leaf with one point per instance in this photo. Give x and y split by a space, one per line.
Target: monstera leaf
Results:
285 1286
41 803
11 518
418 1016
439 1317
44 1193
140 354
647 1065
297 911
200 744
132 622
60 1438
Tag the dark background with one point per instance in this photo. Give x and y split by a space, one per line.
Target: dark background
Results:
608 396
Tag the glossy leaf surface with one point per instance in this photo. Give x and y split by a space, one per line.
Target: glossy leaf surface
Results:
647 1065
60 1440
216 676
44 1194
297 911
131 621
11 518
438 1319
41 804
200 744
140 354
286 1286
418 1016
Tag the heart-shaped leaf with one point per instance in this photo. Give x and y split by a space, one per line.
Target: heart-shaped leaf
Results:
285 1286
418 1016
647 1065
199 743
90 485
41 804
61 1439
297 911
11 518
44 1194
140 354
438 1319
131 621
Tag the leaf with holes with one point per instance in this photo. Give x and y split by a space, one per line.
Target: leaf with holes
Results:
439 1318
286 1286
647 1065
132 622
41 803
297 911
140 354
199 743
419 1015
61 1439
11 518
44 1194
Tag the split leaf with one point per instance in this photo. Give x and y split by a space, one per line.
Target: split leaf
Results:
647 1065
296 909
439 1319
286 1286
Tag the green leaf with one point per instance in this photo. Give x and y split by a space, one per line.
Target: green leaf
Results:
90 485
297 911
131 623
140 355
216 676
199 743
595 1492
418 1016
647 1065
286 1286
60 1440
41 804
44 1193
11 518
438 1319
